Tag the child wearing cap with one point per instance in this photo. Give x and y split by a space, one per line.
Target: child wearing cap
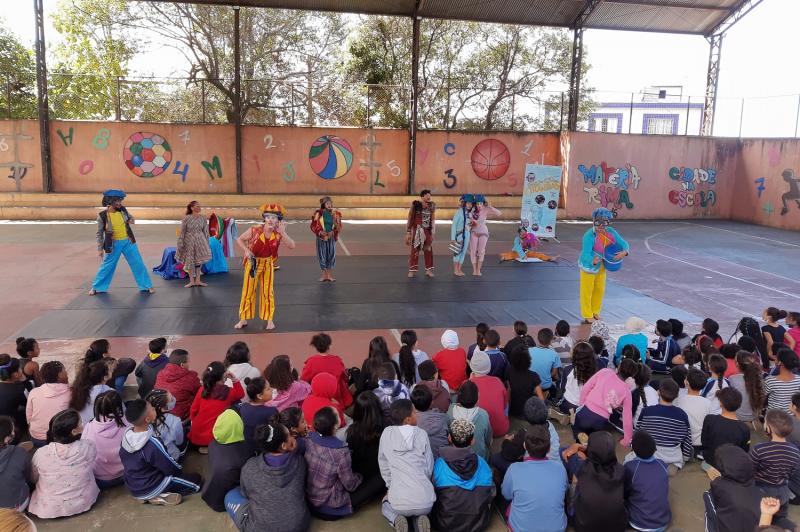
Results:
492 394
646 486
451 361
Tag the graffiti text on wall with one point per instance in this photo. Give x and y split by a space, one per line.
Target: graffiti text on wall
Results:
609 186
690 179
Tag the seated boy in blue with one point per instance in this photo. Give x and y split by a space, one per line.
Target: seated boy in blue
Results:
536 487
667 352
463 483
151 474
544 361
646 486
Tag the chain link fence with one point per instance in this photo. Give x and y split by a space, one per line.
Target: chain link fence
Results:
655 111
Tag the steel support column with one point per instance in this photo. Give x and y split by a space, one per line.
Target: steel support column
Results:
577 58
43 104
412 147
237 97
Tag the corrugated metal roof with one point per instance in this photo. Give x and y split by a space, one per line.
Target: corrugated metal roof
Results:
670 16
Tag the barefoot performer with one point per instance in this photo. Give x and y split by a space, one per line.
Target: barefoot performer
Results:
326 224
193 249
459 233
420 229
596 244
524 245
260 246
114 239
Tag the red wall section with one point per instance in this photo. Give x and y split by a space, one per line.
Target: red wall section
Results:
20 158
324 160
480 162
650 177
90 157
769 170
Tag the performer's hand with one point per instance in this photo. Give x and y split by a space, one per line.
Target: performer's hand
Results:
408 239
248 254
596 261
101 253
281 228
621 255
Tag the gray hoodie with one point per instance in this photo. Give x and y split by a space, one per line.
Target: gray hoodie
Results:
434 423
15 470
406 463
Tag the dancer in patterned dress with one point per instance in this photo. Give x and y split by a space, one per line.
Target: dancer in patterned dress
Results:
193 249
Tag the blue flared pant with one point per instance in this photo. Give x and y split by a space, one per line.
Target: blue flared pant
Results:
106 272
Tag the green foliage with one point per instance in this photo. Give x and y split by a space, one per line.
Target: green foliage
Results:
17 78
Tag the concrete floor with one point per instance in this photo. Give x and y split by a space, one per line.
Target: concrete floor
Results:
720 269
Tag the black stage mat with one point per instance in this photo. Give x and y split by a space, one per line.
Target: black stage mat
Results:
371 292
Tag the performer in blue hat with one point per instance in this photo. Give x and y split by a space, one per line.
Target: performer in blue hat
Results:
115 238
459 233
592 271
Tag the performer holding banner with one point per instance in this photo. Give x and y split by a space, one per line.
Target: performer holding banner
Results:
260 246
602 249
459 233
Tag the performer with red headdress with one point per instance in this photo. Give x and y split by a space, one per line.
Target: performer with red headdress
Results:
260 246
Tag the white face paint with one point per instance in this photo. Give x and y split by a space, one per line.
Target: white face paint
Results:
271 220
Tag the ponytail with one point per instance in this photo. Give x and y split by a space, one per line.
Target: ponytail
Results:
642 379
88 376
8 366
753 380
211 377
408 366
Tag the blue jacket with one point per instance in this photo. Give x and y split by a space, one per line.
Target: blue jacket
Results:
148 466
459 231
587 250
647 493
464 491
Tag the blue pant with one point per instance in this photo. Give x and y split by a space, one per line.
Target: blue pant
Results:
326 253
588 422
461 256
106 272
108 484
187 484
236 505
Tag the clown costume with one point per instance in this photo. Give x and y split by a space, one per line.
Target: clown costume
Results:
524 245
260 246
590 262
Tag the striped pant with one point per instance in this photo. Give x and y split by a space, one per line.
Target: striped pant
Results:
326 253
264 276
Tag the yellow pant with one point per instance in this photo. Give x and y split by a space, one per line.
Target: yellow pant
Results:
593 288
264 276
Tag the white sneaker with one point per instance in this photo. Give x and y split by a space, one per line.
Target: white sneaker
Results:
166 499
558 415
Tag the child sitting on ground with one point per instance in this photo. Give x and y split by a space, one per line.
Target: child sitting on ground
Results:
521 338
287 389
389 389
323 391
724 428
106 431
600 352
151 475
562 342
409 358
211 400
679 374
715 383
47 400
646 486
255 412
466 407
492 394
227 453
573 377
497 358
667 353
15 489
536 487
692 358
433 422
323 361
180 381
463 483
451 361
167 427
90 381
732 501
429 378
774 461
669 427
406 462
148 369
522 382
330 477
294 420
780 388
695 405
710 328
545 361
512 448
237 363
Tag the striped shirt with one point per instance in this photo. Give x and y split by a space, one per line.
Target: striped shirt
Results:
774 462
669 427
779 393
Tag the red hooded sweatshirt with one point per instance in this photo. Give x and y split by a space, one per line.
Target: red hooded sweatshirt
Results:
205 411
319 363
182 384
323 389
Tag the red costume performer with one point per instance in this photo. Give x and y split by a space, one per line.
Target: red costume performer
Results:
420 228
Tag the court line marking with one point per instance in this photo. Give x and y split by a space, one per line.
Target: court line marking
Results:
341 243
746 234
396 335
650 249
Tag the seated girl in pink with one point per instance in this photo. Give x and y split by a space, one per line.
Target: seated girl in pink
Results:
287 389
604 392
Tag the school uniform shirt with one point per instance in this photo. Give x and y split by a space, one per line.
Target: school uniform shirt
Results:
536 490
718 431
710 392
253 416
205 411
498 362
452 366
774 462
647 493
563 346
522 386
669 427
779 393
666 349
543 361
493 397
697 408
332 364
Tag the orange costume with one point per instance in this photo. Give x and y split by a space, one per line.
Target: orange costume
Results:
260 270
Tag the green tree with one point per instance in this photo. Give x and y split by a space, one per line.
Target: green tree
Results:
17 78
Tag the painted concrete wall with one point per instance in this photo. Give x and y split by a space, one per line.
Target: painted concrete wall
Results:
769 172
20 159
650 177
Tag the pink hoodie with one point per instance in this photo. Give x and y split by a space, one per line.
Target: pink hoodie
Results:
107 438
64 481
294 396
45 402
604 392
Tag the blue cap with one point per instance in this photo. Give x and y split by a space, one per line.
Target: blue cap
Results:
468 198
114 193
602 214
479 198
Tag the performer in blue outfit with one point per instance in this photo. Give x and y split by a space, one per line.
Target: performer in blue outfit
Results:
592 271
459 233
115 238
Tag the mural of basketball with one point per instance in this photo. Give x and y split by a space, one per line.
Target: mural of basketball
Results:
330 157
490 159
147 154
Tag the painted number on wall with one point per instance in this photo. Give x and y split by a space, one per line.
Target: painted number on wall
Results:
451 179
760 188
450 148
288 172
393 168
100 141
268 142
181 171
3 144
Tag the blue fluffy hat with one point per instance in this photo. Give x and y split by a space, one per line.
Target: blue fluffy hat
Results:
479 198
468 198
602 214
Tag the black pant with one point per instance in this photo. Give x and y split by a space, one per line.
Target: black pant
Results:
370 489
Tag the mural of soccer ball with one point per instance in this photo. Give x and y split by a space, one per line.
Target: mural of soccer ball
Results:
147 154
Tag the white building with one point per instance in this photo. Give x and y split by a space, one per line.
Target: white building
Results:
660 110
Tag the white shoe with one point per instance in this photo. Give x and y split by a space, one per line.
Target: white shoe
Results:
165 499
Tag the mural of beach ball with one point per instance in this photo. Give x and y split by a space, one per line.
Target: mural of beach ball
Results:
330 156
490 159
147 154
